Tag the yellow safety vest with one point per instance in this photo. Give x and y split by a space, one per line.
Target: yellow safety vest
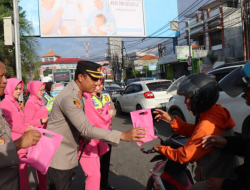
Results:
50 102
106 100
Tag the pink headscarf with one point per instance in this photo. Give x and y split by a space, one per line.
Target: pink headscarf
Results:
34 87
10 88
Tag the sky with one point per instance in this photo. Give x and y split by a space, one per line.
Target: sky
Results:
74 47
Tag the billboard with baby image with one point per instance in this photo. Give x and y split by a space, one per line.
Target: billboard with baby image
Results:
107 18
91 18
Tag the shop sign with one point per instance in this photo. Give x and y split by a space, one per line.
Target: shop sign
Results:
152 66
138 67
182 52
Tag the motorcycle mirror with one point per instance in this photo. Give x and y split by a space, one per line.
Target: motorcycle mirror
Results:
156 131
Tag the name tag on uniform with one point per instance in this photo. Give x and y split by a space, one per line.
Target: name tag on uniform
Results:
2 141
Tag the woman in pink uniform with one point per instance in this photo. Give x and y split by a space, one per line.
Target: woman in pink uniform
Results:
90 160
15 118
36 114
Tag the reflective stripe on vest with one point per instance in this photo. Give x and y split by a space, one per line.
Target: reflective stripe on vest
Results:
50 101
106 100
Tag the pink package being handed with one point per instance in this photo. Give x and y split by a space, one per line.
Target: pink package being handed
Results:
40 155
143 118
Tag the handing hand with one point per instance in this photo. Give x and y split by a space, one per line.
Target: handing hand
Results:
111 113
29 128
45 120
134 135
59 13
85 140
213 140
157 147
162 115
29 138
215 183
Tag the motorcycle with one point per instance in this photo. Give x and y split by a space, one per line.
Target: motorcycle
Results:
167 174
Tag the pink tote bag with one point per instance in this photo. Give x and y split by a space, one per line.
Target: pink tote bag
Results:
143 118
40 155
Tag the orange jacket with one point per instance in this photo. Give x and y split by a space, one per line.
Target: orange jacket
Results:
212 122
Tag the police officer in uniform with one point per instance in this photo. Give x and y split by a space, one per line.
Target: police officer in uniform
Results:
9 177
48 100
69 120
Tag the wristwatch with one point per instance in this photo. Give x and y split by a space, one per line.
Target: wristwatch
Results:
41 120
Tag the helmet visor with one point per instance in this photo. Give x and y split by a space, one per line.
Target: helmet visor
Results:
183 87
234 83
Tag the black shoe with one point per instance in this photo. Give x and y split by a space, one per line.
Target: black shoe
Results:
107 186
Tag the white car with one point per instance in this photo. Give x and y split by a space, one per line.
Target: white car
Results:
143 95
237 107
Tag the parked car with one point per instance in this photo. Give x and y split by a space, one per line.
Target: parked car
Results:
143 95
236 106
114 92
121 84
130 81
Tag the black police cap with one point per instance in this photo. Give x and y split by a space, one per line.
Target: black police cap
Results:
92 68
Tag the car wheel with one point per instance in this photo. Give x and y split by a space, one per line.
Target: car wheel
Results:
178 113
138 107
118 108
246 128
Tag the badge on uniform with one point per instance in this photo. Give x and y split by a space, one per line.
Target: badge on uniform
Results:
79 94
77 103
106 98
2 141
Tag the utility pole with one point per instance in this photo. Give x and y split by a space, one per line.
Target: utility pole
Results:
189 43
17 43
243 30
122 79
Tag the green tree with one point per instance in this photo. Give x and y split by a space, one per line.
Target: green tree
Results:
46 73
37 76
30 60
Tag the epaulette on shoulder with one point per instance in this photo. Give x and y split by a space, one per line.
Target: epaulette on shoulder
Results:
105 92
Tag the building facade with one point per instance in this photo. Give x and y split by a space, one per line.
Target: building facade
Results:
217 33
52 62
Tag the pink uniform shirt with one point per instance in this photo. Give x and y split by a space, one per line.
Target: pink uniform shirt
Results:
11 109
34 109
101 120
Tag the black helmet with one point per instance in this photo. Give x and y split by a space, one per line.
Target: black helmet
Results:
202 89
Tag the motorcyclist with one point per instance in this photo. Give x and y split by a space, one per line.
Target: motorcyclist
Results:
201 94
234 84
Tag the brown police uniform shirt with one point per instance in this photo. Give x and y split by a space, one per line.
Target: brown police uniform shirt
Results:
69 120
8 158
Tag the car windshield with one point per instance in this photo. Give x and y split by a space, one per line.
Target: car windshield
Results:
159 86
113 88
